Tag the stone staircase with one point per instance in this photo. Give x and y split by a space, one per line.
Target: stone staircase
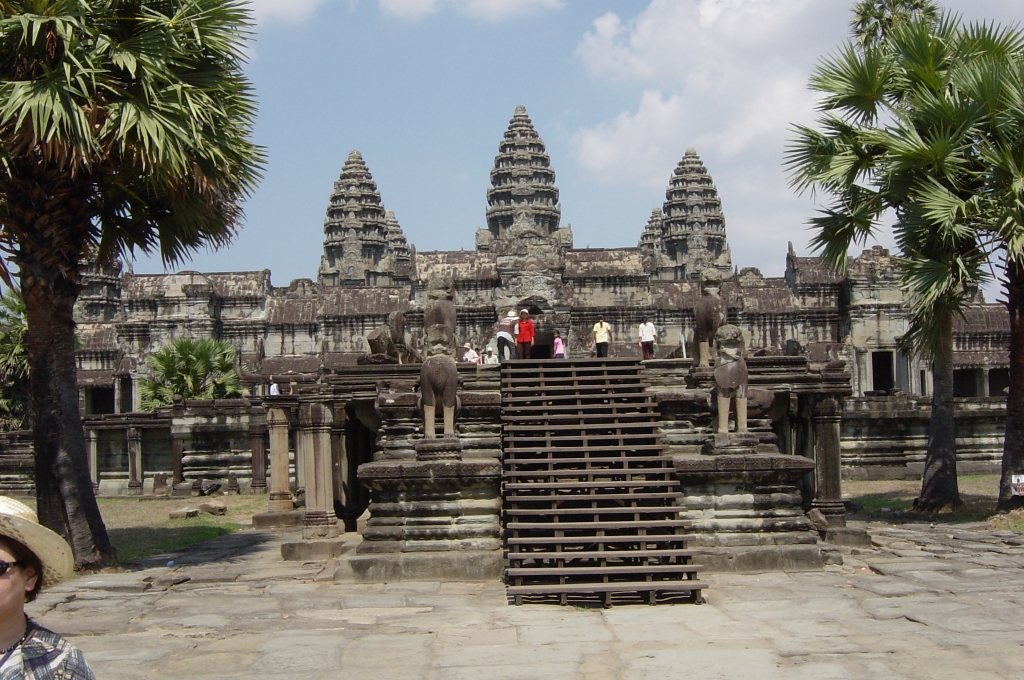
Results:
588 499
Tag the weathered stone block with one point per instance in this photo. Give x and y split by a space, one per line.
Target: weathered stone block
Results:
466 565
278 520
213 508
313 550
183 513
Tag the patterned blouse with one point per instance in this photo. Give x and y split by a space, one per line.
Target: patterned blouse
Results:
45 656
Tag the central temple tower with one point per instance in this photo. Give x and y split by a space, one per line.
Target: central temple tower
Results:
522 181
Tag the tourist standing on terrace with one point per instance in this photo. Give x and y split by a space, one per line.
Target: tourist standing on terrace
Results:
470 355
524 335
506 339
557 346
31 558
601 336
490 357
648 336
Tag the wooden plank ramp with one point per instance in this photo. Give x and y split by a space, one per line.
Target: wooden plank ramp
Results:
588 496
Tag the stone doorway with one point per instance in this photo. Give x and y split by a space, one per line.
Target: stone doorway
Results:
360 444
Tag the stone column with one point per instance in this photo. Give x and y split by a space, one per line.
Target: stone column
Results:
257 431
92 447
177 458
315 421
280 487
134 462
826 416
339 455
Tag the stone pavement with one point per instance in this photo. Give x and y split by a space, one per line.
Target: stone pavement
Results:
926 602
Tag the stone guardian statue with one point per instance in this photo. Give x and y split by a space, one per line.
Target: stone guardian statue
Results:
709 313
439 377
731 377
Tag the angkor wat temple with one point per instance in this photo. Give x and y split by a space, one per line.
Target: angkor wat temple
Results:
525 258
840 396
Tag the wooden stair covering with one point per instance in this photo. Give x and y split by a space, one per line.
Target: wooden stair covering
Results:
589 499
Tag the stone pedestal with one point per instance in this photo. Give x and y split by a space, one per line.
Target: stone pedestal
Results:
437 519
92 448
747 512
438 449
731 444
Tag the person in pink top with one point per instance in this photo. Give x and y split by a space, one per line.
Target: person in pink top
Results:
558 346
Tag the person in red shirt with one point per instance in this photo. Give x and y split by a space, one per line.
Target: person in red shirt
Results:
524 335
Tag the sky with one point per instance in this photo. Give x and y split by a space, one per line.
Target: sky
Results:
617 89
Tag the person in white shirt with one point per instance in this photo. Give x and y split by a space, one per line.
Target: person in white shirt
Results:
275 390
601 336
648 336
490 357
470 356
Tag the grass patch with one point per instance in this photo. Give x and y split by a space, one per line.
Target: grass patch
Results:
1010 521
141 542
141 528
892 501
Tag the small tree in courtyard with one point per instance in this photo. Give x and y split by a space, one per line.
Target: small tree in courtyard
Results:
193 369
124 125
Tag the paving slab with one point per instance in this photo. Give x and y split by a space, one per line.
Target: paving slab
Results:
924 604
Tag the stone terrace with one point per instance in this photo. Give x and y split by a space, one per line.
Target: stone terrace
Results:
926 602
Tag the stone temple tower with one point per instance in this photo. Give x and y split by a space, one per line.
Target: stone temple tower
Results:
522 181
688 236
363 245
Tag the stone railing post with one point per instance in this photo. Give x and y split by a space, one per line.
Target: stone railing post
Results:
339 456
828 498
177 458
257 433
280 479
92 447
315 422
134 461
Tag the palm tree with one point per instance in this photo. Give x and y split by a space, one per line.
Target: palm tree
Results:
124 125
192 369
874 20
13 362
899 133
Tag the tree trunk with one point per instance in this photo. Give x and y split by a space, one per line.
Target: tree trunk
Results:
1013 442
49 214
64 493
939 489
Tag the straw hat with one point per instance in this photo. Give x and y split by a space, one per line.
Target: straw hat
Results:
468 346
511 314
20 523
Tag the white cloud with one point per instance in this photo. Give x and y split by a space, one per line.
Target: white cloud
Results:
292 11
488 10
725 76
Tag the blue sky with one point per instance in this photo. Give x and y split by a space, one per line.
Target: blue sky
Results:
617 90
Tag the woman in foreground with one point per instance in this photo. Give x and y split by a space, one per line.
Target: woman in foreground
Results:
32 558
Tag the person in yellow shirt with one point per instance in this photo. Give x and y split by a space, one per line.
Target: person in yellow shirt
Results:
601 336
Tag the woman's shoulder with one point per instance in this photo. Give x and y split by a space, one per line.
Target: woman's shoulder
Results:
47 655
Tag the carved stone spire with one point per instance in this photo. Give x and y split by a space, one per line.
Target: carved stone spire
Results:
652 241
522 180
693 223
399 251
356 230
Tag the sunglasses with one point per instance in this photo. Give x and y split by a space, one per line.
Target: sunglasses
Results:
5 566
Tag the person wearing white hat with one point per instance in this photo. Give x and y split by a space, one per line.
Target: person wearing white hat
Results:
490 357
524 335
470 355
32 558
506 337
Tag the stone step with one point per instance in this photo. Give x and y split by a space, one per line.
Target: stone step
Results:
545 556
599 570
